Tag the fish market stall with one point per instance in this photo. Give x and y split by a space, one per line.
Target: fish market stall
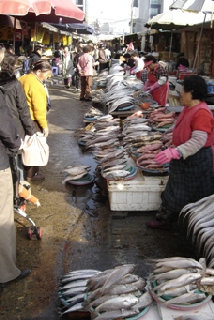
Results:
173 291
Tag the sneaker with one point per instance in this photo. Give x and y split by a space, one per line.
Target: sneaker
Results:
36 177
22 275
155 224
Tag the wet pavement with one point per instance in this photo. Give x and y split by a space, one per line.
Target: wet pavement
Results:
79 230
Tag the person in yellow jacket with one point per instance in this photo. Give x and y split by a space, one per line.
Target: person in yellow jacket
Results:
36 95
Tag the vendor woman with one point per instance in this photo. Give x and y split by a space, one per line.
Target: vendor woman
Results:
191 160
157 83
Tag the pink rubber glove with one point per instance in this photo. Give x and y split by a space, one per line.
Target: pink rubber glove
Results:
167 155
154 86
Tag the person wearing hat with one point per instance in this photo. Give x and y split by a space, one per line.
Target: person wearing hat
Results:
157 82
190 159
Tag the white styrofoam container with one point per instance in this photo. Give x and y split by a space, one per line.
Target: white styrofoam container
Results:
140 194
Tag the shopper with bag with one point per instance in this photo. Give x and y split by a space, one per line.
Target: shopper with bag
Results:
15 97
9 143
33 85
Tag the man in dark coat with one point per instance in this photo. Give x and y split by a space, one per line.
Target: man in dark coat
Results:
9 143
36 55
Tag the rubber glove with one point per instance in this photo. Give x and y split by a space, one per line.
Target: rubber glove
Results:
45 131
154 86
167 155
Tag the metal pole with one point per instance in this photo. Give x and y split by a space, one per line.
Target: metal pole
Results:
198 45
131 22
170 45
14 34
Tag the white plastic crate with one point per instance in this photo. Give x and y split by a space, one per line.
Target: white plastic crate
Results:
140 194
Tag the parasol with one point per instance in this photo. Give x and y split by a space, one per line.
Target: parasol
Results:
196 6
42 10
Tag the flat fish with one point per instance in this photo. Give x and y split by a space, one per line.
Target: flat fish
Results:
74 171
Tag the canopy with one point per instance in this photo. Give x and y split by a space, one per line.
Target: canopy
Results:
174 19
205 6
80 28
42 10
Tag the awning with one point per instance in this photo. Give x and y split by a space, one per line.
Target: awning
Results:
80 28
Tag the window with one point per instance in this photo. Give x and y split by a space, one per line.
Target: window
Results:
79 2
155 2
135 4
154 11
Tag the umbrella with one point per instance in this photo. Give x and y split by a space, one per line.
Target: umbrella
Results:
42 10
197 6
80 28
174 19
205 6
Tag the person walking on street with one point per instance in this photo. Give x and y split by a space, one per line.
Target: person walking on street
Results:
67 67
85 67
103 62
33 85
190 161
9 143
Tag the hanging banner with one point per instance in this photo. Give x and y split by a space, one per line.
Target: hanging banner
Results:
46 38
3 33
69 40
56 37
64 40
38 35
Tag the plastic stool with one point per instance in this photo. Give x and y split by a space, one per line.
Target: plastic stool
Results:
55 71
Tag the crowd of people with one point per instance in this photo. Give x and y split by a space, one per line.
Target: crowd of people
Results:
24 103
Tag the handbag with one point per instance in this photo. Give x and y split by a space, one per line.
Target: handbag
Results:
35 151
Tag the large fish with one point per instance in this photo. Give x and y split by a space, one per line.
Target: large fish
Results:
187 298
116 314
181 281
120 302
178 263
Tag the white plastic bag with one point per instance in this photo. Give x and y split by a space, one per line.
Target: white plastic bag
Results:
35 151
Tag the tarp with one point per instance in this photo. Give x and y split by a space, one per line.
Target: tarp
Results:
205 6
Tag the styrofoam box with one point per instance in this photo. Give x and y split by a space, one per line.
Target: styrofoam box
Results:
140 194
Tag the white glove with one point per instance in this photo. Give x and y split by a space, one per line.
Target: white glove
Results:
45 131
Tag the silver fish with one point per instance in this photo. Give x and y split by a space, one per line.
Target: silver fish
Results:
76 307
179 282
173 274
187 298
120 303
201 316
144 300
174 292
72 291
74 284
117 274
116 314
179 263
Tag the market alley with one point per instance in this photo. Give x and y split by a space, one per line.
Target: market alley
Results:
79 230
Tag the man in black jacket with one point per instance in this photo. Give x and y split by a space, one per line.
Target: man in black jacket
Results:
9 143
35 55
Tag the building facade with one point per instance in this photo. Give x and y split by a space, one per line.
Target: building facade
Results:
145 9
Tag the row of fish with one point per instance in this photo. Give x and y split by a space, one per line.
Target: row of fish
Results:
112 294
198 218
161 119
183 279
104 141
